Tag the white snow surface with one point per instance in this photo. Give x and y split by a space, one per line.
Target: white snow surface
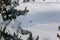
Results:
45 31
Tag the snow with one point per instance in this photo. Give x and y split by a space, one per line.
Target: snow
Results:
40 6
45 31
47 28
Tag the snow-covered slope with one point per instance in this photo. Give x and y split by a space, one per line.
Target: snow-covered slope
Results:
44 31
45 20
44 17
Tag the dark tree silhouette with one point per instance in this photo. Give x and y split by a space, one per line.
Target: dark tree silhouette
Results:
8 15
33 0
11 13
37 37
58 35
58 27
26 1
30 36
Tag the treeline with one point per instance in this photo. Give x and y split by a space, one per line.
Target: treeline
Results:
7 36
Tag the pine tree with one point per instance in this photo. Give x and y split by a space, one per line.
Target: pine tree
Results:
30 36
37 38
9 14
